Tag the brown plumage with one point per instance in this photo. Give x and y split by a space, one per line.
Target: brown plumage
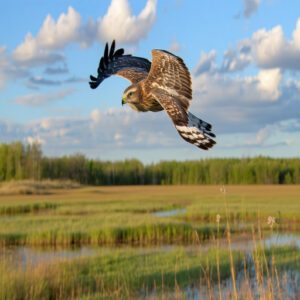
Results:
164 84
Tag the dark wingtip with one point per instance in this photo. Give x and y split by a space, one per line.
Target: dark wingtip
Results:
93 78
106 54
211 134
108 57
208 126
119 52
202 147
112 49
93 84
102 67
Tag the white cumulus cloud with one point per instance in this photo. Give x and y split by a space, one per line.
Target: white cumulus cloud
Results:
119 23
268 83
266 48
30 52
271 49
54 35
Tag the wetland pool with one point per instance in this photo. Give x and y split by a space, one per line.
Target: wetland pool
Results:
25 255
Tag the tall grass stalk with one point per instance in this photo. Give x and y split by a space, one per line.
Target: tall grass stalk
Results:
218 257
269 278
274 268
228 235
257 266
210 292
232 267
247 279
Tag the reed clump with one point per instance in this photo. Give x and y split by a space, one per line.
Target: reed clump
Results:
142 235
9 210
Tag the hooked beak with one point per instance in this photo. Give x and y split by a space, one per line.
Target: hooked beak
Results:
123 101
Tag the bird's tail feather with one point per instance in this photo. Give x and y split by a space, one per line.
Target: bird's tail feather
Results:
197 132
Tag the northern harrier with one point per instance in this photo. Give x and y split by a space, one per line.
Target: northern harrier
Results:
163 84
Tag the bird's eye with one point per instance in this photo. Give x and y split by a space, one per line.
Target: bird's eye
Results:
130 94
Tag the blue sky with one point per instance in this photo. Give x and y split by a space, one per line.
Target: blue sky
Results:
243 55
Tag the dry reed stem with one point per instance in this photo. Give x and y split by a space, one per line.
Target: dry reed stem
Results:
277 280
162 285
257 269
232 271
218 263
247 280
269 279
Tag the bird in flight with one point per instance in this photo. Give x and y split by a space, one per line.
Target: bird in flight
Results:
163 84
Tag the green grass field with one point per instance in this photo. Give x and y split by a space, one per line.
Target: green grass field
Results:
139 254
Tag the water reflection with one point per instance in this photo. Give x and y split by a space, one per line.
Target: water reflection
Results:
247 288
282 239
170 213
24 256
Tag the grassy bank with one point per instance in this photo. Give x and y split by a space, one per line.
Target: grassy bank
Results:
32 187
124 215
121 273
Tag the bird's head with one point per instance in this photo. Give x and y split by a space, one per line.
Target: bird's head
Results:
131 95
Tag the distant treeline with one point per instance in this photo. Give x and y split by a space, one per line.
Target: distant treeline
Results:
18 161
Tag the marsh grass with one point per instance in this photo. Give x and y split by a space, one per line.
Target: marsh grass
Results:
152 274
124 217
128 272
142 235
10 210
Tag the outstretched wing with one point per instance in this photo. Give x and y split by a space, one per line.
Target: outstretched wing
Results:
169 82
114 62
169 73
190 128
